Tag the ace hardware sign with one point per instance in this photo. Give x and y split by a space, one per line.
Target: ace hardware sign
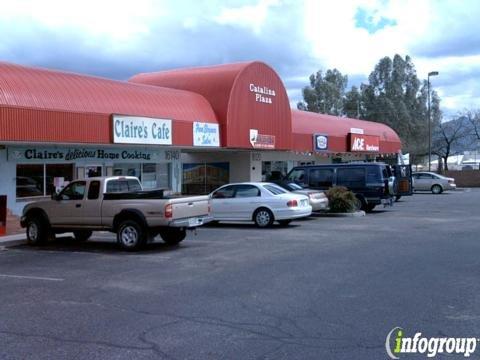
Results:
364 143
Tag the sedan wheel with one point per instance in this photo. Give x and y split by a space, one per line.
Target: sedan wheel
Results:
263 218
436 189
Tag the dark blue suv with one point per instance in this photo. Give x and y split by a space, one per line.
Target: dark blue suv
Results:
372 183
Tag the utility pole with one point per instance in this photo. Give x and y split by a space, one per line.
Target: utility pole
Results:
432 73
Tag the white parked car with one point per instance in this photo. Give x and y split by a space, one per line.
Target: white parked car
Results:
429 181
260 202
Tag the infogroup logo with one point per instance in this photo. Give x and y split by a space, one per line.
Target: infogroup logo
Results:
397 344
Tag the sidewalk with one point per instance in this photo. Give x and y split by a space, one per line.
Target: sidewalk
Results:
12 240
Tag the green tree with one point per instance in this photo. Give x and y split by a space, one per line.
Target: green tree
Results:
325 94
352 105
393 95
447 139
396 97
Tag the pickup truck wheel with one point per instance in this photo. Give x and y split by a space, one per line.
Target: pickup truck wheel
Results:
130 235
82 235
37 231
173 236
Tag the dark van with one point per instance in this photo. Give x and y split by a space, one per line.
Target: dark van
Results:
372 183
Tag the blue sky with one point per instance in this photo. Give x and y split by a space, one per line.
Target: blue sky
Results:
117 39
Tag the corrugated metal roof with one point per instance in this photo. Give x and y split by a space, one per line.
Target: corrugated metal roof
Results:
226 87
44 89
308 123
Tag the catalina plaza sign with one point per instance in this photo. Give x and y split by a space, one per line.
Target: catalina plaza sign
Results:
206 134
141 130
263 94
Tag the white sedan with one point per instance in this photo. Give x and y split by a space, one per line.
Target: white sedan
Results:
260 202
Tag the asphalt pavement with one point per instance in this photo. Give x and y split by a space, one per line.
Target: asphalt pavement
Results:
323 288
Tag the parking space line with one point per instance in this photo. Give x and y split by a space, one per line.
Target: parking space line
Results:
31 277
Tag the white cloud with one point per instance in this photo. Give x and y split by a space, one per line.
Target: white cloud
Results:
115 19
251 16
339 43
297 38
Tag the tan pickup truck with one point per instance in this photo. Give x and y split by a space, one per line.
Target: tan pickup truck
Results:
116 204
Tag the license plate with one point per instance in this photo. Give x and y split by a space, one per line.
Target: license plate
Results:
195 221
303 203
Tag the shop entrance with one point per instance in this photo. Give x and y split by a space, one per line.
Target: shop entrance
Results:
274 170
203 178
93 171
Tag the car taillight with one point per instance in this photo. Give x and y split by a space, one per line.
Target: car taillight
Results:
292 203
168 211
209 209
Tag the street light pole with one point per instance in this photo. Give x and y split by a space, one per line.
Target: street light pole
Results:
431 73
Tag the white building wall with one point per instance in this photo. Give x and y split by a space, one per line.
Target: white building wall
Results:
8 183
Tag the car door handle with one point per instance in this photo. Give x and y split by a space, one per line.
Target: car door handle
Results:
78 205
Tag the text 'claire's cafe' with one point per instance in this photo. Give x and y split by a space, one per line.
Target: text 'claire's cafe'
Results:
141 130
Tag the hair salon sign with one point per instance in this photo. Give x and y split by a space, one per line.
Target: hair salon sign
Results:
206 134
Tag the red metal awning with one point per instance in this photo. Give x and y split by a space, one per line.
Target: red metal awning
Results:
245 96
39 105
305 124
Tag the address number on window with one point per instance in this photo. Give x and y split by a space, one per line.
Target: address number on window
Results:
172 155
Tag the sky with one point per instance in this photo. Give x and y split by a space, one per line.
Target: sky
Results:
117 39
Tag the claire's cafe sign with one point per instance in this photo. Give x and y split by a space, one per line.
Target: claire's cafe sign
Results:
141 130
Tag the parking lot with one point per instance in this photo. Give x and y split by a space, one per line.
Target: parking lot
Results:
322 288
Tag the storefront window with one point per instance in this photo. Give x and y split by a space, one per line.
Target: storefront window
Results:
30 180
152 176
127 170
203 178
93 171
58 176
42 179
274 170
156 176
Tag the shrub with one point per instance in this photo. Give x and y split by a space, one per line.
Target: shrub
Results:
341 200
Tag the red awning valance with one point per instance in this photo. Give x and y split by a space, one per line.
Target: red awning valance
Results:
305 124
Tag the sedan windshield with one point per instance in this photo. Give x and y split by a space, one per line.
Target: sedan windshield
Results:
292 186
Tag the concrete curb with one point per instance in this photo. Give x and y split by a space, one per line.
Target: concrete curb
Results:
354 214
12 240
